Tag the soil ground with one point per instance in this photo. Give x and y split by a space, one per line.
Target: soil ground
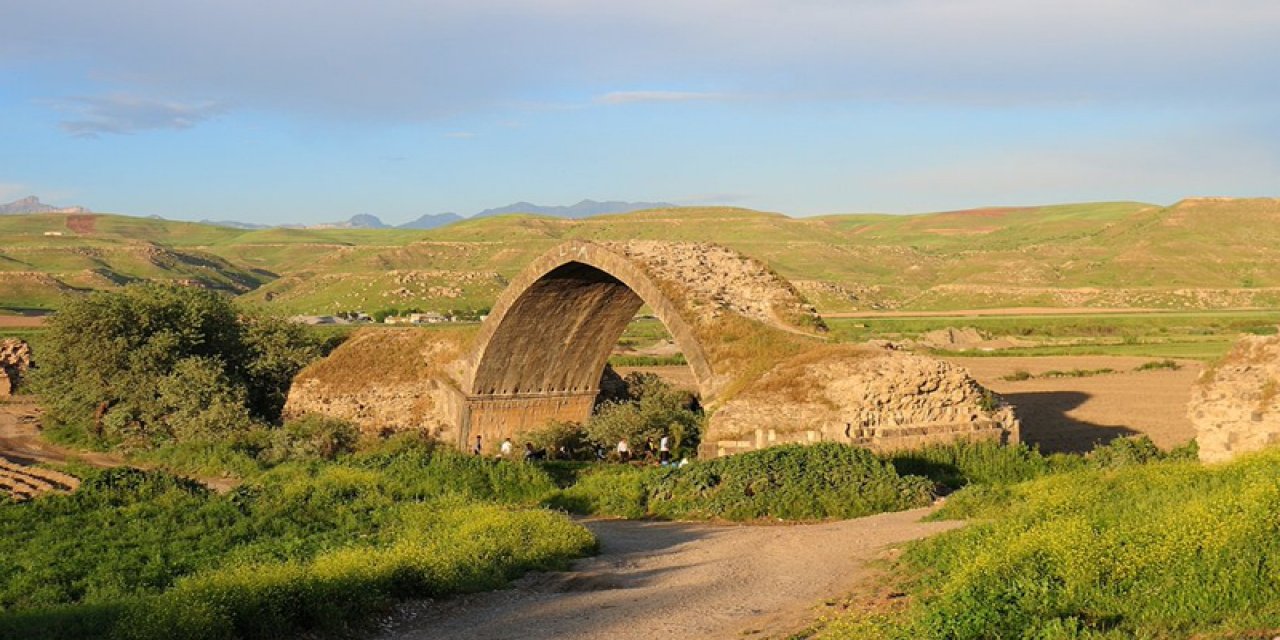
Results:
20 440
21 322
677 580
1073 414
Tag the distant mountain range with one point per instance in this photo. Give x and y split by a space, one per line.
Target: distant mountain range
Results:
583 209
32 204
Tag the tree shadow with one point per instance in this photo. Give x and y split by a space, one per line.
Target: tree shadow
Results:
1047 424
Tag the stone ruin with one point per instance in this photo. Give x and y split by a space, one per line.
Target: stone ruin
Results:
15 362
754 345
1235 405
882 399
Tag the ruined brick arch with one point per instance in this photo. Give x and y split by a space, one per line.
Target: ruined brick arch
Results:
540 353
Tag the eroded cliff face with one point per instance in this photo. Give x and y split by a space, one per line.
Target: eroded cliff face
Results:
882 399
1235 406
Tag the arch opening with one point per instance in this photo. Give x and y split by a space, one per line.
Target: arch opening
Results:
543 349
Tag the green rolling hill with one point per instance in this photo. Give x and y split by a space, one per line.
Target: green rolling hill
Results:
1201 253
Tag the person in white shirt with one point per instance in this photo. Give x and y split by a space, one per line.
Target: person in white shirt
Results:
664 450
624 451
504 450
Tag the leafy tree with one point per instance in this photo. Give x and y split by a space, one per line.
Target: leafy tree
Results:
156 362
651 408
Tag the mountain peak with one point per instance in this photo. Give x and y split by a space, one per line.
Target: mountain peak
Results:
32 204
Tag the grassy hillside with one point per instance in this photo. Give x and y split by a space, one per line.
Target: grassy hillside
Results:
1197 254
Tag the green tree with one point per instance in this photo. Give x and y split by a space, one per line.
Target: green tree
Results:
650 408
159 362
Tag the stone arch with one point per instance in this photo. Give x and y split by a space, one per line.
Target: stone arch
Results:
541 351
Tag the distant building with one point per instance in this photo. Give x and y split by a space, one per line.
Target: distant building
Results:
430 317
317 320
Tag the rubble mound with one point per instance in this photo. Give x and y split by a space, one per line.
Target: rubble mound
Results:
15 362
713 281
882 399
1235 405
385 380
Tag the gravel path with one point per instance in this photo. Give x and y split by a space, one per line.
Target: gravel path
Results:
676 580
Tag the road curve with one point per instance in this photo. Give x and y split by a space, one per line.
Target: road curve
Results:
674 580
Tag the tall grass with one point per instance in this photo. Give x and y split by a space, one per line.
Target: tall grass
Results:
303 547
1165 549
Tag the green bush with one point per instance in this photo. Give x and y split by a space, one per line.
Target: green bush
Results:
651 408
788 482
956 464
306 546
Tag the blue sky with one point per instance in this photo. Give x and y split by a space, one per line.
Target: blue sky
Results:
312 111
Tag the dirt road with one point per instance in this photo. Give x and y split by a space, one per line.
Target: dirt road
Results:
676 580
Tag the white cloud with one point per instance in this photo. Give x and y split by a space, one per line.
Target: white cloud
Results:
460 134
90 116
412 59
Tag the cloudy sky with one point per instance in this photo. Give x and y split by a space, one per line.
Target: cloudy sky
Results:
279 111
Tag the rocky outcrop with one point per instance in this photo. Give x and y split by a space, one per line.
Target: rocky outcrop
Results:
15 362
1235 405
881 399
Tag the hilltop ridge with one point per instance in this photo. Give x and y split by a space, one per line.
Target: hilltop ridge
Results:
1199 253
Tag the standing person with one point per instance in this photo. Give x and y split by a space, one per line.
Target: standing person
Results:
504 451
664 450
624 450
649 449
477 449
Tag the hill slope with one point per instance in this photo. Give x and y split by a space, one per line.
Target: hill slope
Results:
1198 253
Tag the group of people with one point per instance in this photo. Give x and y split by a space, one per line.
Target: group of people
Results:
506 449
661 451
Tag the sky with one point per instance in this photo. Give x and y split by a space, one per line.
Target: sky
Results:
309 111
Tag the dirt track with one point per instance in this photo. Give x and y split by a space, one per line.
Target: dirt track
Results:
676 580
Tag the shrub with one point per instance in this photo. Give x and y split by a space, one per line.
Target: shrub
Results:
555 436
1159 364
311 437
790 482
652 408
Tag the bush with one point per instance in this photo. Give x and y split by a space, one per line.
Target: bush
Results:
310 437
789 482
651 409
155 363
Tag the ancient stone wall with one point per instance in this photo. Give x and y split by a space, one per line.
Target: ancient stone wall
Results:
878 398
1235 405
386 380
